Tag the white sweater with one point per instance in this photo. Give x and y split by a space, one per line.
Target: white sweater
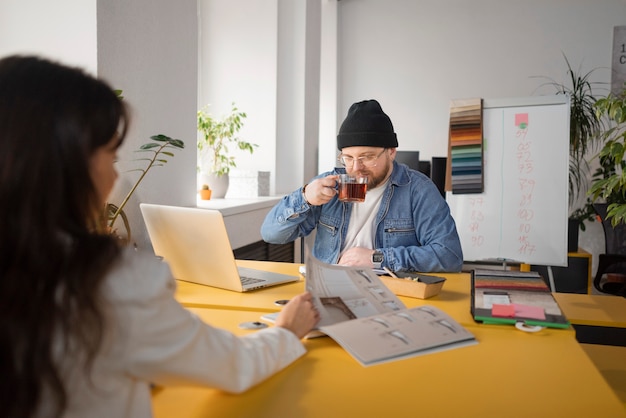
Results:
151 338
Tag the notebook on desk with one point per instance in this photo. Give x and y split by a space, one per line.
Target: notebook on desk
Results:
195 244
512 297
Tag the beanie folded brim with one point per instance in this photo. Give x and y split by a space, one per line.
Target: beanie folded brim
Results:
367 139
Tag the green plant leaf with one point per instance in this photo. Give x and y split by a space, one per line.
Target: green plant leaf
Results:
216 135
610 179
158 150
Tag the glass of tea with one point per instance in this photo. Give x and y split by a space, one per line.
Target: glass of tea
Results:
352 188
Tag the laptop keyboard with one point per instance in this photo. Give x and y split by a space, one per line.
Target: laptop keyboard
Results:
250 280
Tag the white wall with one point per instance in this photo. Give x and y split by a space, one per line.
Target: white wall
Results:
238 63
146 48
298 92
413 55
416 56
149 49
264 56
46 28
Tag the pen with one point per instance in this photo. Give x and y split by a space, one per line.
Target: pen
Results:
391 273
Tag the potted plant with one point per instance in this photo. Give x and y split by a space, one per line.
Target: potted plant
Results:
610 184
159 149
610 187
583 138
217 135
205 192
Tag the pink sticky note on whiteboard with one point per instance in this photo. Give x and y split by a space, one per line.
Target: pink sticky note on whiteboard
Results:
521 118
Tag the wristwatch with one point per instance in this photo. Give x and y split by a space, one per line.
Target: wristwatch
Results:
377 259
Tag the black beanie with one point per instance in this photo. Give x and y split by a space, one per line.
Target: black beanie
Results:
366 126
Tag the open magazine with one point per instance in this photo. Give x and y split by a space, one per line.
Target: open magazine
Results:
359 312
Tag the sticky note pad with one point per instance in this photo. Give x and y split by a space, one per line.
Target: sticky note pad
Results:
504 311
527 311
521 120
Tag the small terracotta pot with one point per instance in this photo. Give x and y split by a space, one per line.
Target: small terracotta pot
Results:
205 194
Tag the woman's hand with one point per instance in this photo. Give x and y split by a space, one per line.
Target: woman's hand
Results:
299 315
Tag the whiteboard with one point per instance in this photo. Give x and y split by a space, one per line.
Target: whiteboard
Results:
521 216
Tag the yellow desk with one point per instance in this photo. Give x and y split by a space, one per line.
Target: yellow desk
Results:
454 297
609 360
508 373
200 296
598 310
597 319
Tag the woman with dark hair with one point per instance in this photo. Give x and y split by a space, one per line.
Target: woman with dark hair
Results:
85 325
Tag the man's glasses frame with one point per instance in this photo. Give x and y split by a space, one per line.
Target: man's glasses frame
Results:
365 161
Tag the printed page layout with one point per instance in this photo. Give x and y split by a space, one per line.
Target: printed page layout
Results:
360 313
512 296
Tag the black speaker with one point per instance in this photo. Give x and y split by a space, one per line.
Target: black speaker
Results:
438 173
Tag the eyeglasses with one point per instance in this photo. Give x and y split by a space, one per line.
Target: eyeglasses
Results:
365 160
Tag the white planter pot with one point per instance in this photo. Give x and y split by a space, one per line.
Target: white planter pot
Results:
218 185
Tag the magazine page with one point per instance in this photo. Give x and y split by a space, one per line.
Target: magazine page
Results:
343 293
396 335
369 321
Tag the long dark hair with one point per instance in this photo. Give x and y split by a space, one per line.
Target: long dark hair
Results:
54 250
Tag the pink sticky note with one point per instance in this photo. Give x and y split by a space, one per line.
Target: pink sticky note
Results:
521 118
526 311
504 311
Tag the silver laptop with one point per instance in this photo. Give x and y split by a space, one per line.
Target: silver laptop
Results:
195 244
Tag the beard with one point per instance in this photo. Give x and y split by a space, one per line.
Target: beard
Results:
374 181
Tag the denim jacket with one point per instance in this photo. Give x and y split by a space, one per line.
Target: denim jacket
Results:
414 228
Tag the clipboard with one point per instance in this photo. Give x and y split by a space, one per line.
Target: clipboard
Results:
514 297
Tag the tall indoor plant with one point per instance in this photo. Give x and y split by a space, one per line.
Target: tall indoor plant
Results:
583 139
611 186
217 135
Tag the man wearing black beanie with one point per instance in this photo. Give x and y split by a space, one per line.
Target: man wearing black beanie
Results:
404 224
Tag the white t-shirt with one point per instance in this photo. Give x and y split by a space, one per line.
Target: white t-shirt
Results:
151 338
361 227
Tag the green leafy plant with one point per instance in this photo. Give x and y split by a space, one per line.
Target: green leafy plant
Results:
611 184
217 136
583 136
159 148
156 153
607 169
